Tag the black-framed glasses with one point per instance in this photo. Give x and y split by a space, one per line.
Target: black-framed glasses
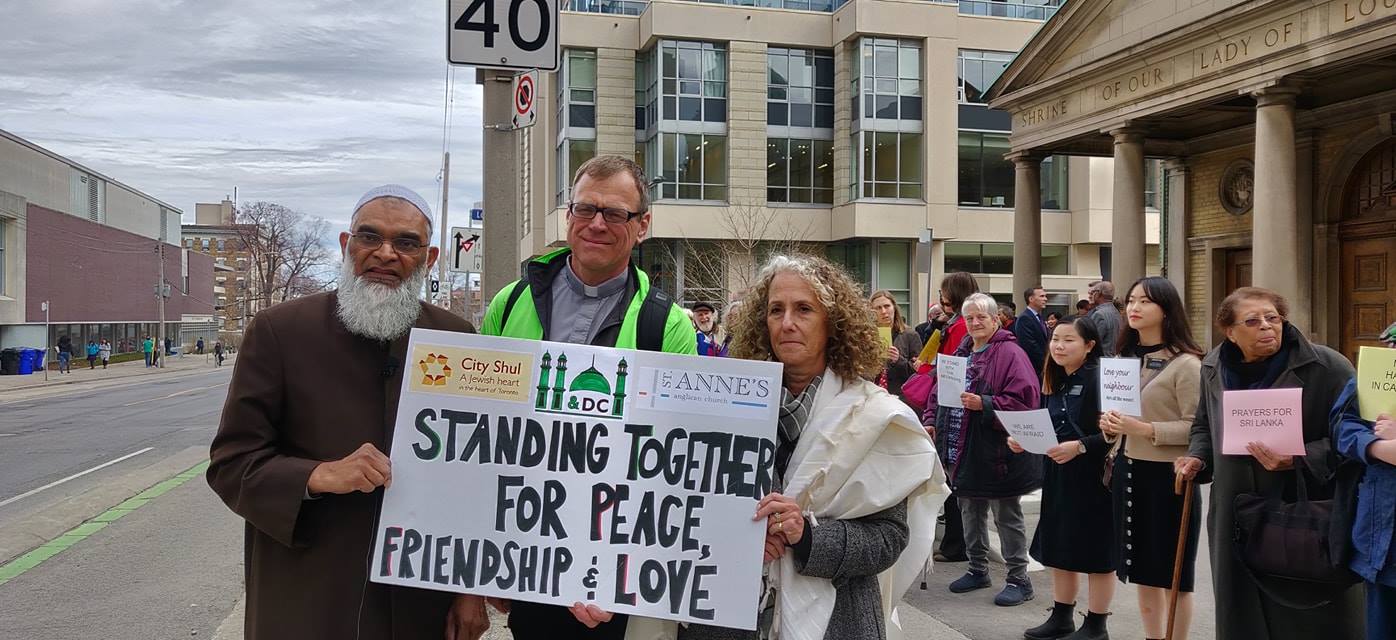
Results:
613 215
371 241
1273 319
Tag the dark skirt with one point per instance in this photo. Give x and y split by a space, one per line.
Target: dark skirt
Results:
1148 513
1076 529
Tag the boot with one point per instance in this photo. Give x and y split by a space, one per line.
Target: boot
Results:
1092 629
1059 625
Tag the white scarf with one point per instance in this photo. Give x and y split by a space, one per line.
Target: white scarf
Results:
862 452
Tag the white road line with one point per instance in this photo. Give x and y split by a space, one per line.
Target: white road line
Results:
79 474
6 435
177 393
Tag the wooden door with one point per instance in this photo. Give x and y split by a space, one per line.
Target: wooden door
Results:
1368 291
1238 270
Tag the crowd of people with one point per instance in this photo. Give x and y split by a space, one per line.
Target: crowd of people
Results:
866 453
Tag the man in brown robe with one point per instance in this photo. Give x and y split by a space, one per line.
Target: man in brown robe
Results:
301 449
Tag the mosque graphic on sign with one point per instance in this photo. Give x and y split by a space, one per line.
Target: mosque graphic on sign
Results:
588 393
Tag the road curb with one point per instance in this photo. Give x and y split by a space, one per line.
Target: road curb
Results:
45 525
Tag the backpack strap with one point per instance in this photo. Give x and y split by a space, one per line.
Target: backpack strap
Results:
514 294
654 316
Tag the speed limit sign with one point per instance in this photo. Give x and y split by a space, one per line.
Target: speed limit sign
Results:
503 34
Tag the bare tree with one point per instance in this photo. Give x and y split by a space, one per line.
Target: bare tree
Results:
287 252
750 232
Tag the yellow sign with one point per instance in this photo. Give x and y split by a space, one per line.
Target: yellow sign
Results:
886 334
1376 382
475 373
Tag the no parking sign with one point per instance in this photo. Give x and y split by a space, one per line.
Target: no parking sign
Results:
525 97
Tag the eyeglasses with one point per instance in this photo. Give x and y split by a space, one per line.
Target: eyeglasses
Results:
371 241
1272 319
613 215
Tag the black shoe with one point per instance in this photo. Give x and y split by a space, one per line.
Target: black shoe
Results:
971 581
940 557
1014 593
1059 625
1092 629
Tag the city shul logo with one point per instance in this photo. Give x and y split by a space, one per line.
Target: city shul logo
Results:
435 370
588 393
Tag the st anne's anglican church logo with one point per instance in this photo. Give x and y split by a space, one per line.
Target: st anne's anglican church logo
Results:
588 393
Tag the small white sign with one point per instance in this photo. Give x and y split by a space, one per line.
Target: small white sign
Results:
503 34
950 380
1032 429
465 255
1119 386
525 98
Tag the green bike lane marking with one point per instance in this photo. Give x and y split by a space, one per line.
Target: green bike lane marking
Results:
37 556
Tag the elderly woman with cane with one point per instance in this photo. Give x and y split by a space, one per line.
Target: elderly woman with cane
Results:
852 518
1263 350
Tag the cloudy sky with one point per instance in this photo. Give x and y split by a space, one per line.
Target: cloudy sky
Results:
307 103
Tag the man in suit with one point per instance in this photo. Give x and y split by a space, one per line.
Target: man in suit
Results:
1031 327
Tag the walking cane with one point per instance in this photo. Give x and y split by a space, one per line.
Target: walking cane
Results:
1183 487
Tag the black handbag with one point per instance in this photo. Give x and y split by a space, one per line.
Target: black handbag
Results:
1293 542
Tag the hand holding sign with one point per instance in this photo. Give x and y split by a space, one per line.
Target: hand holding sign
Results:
1376 382
1273 418
1032 430
1119 386
950 380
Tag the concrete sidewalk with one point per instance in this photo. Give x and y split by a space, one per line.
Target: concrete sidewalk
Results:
13 387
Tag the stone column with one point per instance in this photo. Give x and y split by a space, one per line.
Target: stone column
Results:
1027 223
1127 220
1275 221
1175 231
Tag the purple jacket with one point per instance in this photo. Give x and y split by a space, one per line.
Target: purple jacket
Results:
985 467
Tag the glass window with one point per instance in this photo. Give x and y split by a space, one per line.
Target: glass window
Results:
894 272
891 80
979 70
976 257
576 89
576 113
800 88
799 170
571 154
1054 260
986 178
890 165
855 257
694 80
694 166
1054 183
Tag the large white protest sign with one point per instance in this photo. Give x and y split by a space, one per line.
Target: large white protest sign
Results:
560 473
1032 429
1119 386
950 380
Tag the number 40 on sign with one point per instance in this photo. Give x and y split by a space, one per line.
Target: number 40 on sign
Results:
503 34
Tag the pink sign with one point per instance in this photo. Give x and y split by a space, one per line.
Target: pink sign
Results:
1274 417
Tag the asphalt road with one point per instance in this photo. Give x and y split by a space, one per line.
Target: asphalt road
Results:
46 440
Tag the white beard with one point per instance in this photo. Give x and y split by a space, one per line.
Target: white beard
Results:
375 310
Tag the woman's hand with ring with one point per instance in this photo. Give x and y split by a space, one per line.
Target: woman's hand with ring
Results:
783 517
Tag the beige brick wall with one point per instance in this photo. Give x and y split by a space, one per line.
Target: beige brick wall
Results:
615 102
843 120
746 122
1206 218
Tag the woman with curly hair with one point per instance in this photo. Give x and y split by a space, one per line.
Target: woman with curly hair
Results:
857 481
